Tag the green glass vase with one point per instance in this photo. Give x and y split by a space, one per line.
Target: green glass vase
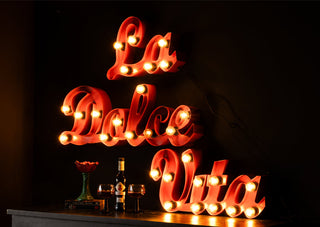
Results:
85 194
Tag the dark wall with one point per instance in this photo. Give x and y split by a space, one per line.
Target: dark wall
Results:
250 69
16 97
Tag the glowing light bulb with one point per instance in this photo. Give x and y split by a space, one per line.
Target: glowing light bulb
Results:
163 43
141 89
65 109
184 115
129 135
104 137
155 173
78 115
132 40
186 158
251 212
196 207
213 208
198 181
165 64
251 186
232 210
117 45
148 133
168 177
169 205
95 114
171 131
117 122
64 138
149 66
125 69
215 180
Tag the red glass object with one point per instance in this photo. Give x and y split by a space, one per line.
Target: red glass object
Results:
86 167
201 192
156 58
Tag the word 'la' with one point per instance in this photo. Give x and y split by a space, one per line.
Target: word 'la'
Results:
156 58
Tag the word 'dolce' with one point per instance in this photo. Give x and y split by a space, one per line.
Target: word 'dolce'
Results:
95 121
201 192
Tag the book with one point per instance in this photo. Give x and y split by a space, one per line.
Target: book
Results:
95 204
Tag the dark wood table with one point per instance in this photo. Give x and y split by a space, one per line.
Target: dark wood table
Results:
52 217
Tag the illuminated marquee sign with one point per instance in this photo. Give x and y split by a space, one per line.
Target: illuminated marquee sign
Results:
201 192
156 58
95 121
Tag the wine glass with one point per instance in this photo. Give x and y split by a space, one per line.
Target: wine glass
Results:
136 191
105 191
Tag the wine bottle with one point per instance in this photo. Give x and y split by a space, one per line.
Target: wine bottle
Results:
120 187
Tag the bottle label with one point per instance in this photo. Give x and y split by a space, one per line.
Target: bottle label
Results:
121 165
120 199
120 187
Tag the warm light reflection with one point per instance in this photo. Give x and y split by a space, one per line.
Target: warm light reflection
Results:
141 89
168 177
231 222
186 158
167 217
198 181
74 138
250 223
195 220
78 115
251 186
171 131
213 221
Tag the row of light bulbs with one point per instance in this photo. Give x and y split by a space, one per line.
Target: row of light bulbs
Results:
215 207
132 40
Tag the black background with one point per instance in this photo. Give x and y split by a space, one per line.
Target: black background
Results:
251 70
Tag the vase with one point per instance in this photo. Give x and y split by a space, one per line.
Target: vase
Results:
85 194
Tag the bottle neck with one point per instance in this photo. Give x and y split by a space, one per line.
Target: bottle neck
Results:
121 166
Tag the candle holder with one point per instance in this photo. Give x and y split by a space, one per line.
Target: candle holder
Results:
86 168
